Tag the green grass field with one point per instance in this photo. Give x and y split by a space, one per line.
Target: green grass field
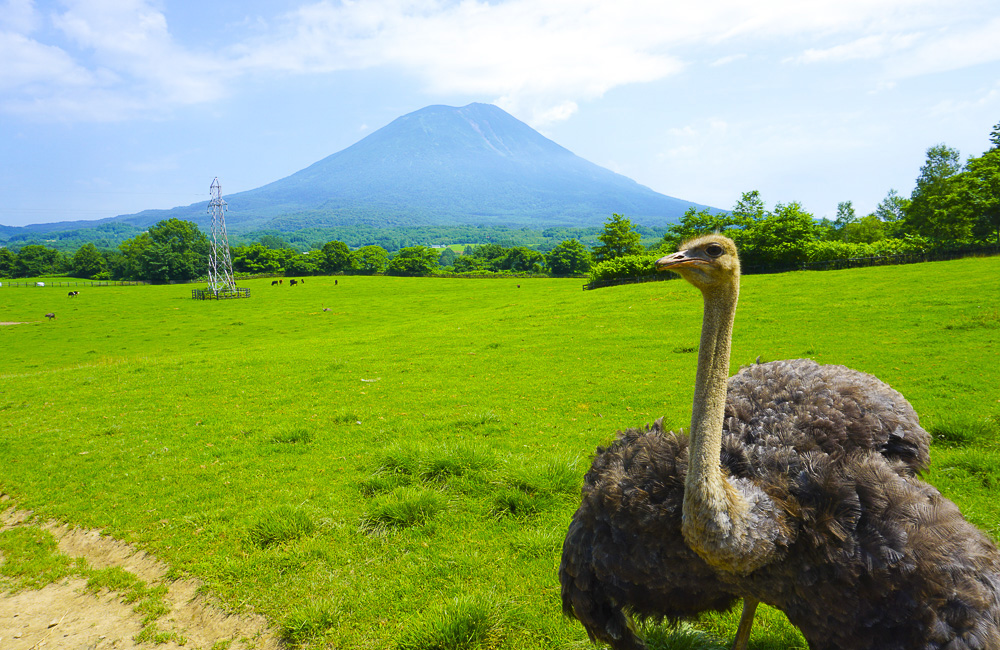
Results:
399 471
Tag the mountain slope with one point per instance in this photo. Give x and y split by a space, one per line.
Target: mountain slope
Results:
442 166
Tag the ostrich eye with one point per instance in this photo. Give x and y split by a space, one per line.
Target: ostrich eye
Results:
714 250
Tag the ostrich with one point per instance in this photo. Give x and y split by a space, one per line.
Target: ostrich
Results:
797 488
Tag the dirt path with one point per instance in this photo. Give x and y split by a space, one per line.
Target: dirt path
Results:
64 615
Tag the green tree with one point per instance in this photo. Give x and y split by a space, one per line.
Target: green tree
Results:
935 208
305 264
34 260
470 264
371 259
979 191
337 257
8 262
866 230
88 262
257 258
692 224
568 257
413 260
892 212
522 260
172 250
618 238
778 240
447 258
748 210
845 217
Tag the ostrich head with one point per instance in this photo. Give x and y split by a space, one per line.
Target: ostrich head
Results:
709 262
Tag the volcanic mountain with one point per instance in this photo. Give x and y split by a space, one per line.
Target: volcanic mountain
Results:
441 166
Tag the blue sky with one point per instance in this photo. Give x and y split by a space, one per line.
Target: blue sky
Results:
109 107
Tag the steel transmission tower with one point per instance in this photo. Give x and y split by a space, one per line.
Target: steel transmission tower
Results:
220 265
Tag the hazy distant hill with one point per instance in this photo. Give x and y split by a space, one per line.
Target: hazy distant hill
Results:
441 166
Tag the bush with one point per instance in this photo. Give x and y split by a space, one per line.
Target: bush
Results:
627 266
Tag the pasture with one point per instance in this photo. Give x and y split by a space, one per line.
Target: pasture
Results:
399 471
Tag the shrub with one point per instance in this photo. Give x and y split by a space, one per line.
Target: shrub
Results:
402 508
467 623
283 524
627 266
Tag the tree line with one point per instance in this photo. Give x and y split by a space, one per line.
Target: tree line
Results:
175 250
953 204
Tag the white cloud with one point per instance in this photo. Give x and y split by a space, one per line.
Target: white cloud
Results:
951 49
540 58
19 16
867 47
28 62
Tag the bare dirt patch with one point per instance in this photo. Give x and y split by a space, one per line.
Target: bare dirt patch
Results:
65 615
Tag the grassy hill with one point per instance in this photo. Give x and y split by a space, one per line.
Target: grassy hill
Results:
365 475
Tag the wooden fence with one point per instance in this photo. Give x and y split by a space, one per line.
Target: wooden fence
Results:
72 283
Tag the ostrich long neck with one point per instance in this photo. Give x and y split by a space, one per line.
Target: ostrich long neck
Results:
718 521
710 385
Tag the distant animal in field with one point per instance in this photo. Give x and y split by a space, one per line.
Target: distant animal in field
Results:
302 281
334 283
50 316
326 309
292 283
74 293
274 283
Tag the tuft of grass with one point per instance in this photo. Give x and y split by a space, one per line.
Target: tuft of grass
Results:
473 622
294 436
553 476
280 525
402 508
309 625
433 464
453 461
964 431
538 542
981 464
379 483
478 419
980 318
517 504
683 636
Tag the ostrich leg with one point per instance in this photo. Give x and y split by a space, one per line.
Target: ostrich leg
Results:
746 622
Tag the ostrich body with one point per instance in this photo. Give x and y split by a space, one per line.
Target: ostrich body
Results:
796 488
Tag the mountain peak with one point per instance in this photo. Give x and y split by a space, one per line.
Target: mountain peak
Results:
445 165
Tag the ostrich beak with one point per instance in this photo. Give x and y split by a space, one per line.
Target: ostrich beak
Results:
680 259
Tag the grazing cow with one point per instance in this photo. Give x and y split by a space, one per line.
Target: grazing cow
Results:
74 293
281 281
274 283
292 283
334 283
302 281
326 309
50 316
